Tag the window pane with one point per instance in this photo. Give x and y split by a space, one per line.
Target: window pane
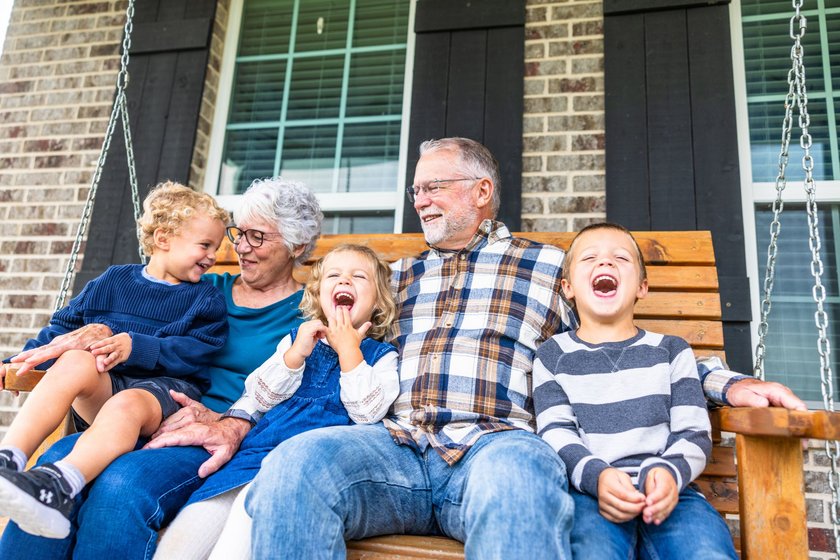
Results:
376 84
249 154
766 142
258 95
792 357
367 222
316 88
760 7
380 22
266 27
309 156
369 157
833 29
322 24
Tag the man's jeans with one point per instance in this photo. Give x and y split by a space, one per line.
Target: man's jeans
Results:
693 530
119 514
506 499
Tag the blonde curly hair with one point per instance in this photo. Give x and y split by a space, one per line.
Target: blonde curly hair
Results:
168 206
384 309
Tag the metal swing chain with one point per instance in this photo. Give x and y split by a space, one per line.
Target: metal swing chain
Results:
797 95
118 111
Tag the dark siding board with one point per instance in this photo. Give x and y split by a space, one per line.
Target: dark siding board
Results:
616 7
428 105
467 85
738 341
176 35
669 122
451 15
503 113
164 95
628 198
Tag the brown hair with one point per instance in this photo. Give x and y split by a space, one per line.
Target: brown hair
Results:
384 309
567 262
169 206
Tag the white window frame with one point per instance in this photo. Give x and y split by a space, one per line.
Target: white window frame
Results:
753 193
330 202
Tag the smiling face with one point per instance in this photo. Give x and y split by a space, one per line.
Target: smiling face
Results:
348 279
187 254
451 217
604 277
267 265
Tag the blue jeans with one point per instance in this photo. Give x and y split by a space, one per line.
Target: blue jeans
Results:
119 514
506 499
693 530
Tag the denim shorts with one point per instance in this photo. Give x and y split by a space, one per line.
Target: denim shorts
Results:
157 386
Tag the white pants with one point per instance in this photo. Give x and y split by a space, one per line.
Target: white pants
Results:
218 528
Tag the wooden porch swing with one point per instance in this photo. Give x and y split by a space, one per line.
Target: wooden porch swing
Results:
762 480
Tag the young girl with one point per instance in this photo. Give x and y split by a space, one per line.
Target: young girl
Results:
165 326
332 370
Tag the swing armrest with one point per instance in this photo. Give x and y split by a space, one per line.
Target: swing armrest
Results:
771 483
25 382
780 422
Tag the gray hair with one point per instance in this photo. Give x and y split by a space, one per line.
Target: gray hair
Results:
475 160
289 205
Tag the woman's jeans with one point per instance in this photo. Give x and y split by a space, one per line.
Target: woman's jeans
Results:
693 530
505 499
120 513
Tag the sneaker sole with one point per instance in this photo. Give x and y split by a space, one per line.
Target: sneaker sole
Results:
31 515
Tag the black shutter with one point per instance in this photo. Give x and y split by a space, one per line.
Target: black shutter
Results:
671 140
468 81
168 58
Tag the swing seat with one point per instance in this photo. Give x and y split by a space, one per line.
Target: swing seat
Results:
765 487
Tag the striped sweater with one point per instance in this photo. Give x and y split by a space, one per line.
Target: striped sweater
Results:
632 405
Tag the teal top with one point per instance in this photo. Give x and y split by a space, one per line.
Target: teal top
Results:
252 339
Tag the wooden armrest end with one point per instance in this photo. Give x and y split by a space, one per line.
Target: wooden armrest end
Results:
25 382
780 422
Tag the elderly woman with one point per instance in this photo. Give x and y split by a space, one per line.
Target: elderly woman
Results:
120 514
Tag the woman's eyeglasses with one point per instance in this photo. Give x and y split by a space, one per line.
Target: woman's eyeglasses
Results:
254 237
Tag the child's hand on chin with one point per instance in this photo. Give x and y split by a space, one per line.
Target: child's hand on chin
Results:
662 496
618 499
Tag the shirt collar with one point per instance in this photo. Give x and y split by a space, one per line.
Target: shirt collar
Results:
489 232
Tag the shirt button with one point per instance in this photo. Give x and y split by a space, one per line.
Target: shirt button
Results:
463 257
449 323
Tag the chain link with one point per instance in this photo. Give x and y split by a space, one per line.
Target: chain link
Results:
119 111
798 97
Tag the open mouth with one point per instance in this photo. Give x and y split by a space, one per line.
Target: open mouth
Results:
429 217
344 299
604 285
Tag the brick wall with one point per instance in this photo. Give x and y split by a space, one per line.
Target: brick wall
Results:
563 155
57 76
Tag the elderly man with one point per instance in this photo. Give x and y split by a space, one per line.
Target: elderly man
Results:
457 454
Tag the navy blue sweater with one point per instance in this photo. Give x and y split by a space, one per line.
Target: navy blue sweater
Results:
174 328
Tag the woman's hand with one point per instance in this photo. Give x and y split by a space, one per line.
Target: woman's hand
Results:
80 339
111 351
308 335
192 412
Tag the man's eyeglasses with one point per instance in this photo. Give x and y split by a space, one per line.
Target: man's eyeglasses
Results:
431 188
254 237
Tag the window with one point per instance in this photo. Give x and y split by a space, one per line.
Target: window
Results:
792 355
316 95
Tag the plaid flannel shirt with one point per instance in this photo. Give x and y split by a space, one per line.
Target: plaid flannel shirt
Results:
468 328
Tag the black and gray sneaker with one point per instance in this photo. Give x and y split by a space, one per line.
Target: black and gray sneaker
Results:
37 500
7 460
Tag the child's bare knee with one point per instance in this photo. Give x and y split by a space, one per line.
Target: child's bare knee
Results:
132 404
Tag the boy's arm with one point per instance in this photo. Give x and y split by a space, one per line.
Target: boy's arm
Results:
558 426
368 391
690 444
183 348
267 386
730 388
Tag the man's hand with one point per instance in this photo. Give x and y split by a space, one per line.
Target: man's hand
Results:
754 392
191 412
618 499
80 339
221 439
662 495
111 351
